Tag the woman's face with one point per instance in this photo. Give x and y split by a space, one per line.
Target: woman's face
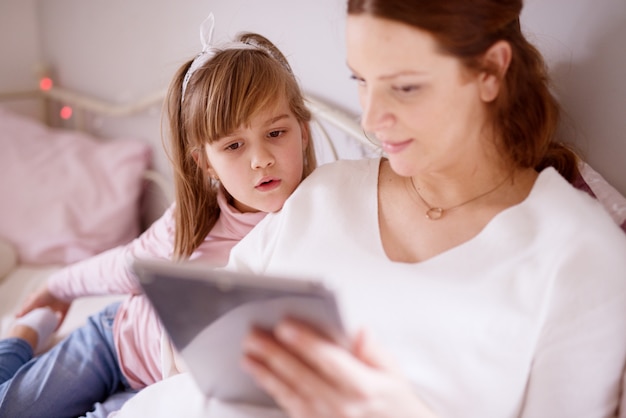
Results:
260 164
424 107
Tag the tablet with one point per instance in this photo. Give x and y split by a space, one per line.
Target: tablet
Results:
207 313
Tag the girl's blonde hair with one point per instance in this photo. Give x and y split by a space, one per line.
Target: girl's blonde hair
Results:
222 95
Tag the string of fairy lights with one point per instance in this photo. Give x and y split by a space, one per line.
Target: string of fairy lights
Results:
45 84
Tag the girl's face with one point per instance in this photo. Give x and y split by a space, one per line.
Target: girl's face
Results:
261 164
423 106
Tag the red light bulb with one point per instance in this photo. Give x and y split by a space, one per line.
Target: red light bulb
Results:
45 83
66 112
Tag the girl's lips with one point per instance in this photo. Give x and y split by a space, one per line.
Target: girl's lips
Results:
268 184
395 147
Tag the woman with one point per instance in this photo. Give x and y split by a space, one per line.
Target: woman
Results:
495 287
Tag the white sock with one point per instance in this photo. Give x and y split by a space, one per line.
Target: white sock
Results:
43 321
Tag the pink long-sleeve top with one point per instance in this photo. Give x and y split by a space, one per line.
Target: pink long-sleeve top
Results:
137 330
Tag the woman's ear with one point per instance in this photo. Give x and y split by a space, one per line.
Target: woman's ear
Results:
496 63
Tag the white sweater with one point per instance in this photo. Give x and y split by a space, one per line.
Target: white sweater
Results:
527 319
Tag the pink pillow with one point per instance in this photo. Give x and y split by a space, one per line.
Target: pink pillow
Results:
66 195
593 183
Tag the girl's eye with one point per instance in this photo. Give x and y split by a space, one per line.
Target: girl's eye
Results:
276 134
234 146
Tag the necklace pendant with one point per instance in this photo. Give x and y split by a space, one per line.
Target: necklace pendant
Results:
434 213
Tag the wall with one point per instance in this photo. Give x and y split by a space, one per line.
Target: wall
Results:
19 49
121 50
584 42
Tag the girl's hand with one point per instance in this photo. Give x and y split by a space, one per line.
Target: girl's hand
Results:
41 298
309 376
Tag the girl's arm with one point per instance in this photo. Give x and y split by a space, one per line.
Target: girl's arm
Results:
109 272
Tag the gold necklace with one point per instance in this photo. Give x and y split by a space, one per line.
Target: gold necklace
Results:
436 212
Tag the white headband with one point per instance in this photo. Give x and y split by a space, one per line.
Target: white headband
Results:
208 50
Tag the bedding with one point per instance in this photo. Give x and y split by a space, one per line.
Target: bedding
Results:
65 194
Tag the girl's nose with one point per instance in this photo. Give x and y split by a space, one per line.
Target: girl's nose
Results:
261 158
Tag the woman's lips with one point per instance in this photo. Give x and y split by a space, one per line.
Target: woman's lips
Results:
395 147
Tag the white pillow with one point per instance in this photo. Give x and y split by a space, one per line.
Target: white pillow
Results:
66 195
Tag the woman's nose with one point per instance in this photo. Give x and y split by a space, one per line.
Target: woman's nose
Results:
376 114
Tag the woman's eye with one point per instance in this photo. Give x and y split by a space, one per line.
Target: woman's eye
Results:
406 89
360 81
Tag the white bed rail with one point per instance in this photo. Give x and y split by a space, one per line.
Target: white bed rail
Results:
101 107
82 103
339 119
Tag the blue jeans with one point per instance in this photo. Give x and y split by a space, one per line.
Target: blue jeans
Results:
65 381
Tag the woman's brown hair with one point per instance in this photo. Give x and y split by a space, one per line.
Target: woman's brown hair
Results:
526 114
220 96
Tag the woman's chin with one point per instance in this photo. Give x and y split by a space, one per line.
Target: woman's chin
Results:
402 166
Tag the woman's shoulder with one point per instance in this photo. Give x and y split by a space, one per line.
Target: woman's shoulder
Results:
562 204
333 184
341 165
554 191
345 171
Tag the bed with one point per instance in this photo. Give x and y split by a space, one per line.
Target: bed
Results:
49 219
68 194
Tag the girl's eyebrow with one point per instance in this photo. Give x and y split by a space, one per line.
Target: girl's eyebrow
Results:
270 121
276 119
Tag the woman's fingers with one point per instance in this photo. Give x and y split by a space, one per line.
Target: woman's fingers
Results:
337 365
305 362
309 376
289 380
366 350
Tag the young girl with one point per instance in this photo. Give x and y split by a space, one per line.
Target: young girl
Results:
240 145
